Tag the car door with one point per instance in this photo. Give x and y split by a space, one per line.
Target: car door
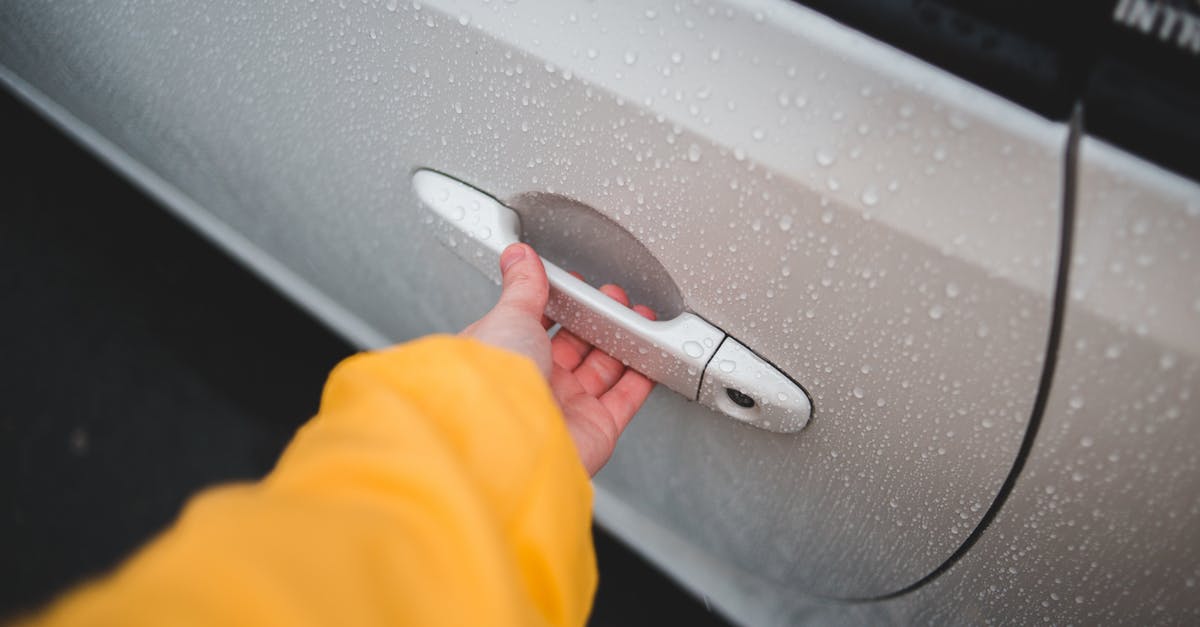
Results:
880 232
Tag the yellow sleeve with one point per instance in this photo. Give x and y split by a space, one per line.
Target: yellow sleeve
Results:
436 486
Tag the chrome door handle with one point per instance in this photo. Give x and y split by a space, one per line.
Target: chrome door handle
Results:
673 352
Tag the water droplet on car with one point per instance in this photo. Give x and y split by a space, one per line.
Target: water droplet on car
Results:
870 197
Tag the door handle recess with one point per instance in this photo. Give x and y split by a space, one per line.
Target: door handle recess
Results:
685 353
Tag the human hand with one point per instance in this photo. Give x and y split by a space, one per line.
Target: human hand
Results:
597 394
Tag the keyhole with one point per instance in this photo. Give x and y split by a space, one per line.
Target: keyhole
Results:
740 399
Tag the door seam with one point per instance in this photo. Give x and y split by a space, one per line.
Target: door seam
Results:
1070 180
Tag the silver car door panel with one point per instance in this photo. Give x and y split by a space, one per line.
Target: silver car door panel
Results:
880 231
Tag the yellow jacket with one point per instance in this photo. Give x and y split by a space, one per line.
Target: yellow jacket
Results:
437 485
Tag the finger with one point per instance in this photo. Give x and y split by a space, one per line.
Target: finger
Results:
626 397
525 286
645 312
564 385
568 349
592 430
599 370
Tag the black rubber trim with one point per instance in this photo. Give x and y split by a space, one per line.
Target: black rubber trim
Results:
1052 345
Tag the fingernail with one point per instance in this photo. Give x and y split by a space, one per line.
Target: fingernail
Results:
511 255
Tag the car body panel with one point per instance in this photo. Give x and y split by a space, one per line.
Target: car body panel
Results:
885 233
1101 527
834 232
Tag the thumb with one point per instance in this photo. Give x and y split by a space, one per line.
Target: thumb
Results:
525 286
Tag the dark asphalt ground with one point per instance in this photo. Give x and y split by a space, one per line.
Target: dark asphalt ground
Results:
141 364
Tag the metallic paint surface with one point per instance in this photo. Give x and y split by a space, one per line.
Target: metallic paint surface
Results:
884 232
1103 526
